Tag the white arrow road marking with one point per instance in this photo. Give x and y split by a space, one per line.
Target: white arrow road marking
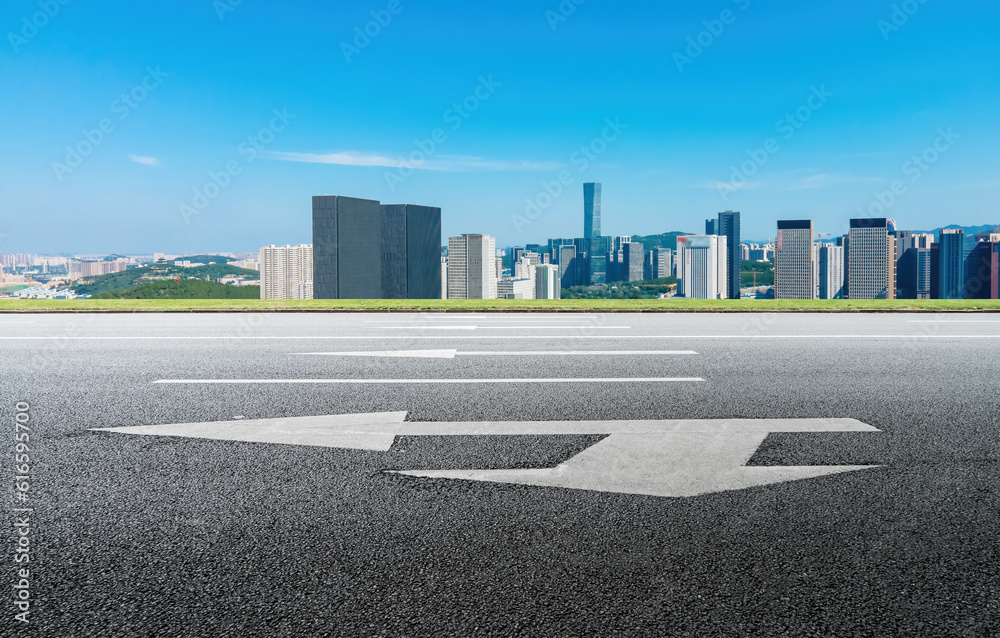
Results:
451 354
410 381
653 458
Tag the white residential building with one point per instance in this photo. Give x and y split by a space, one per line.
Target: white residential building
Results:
286 272
703 266
472 270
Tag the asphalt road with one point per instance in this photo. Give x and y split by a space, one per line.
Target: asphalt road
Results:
166 536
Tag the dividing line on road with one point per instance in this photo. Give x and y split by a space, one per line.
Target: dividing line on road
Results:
509 327
451 354
952 321
486 338
411 381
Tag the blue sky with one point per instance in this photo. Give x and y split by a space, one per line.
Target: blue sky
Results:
549 80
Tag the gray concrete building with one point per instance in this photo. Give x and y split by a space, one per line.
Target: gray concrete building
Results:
364 250
871 259
793 260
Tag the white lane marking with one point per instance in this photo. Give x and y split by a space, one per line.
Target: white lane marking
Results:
451 354
952 321
17 323
653 458
414 381
482 337
517 327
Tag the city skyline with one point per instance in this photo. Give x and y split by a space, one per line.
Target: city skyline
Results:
838 109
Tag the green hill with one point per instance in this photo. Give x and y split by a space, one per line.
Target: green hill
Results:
184 289
663 240
147 274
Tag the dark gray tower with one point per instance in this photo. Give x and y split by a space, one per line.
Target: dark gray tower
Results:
729 227
411 252
591 210
347 243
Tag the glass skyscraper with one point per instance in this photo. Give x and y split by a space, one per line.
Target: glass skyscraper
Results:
591 210
729 227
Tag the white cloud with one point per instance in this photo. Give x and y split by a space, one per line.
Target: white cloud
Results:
444 163
145 161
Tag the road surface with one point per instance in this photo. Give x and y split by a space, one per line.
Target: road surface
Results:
495 485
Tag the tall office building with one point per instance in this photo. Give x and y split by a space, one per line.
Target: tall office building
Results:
592 210
729 227
472 267
365 250
633 258
547 282
569 267
663 259
411 251
286 272
347 247
711 226
704 266
871 259
596 268
982 276
951 264
913 274
831 272
794 268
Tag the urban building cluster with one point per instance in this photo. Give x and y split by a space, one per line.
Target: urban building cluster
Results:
874 260
363 249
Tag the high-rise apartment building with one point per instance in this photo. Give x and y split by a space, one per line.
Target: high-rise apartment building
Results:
794 272
951 264
729 227
663 263
592 193
871 258
286 272
472 267
704 266
831 272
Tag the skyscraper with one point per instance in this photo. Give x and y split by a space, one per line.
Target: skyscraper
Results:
831 272
793 260
632 262
569 267
982 277
729 227
411 252
364 250
472 267
871 257
951 262
711 226
704 266
592 210
547 284
347 247
286 272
